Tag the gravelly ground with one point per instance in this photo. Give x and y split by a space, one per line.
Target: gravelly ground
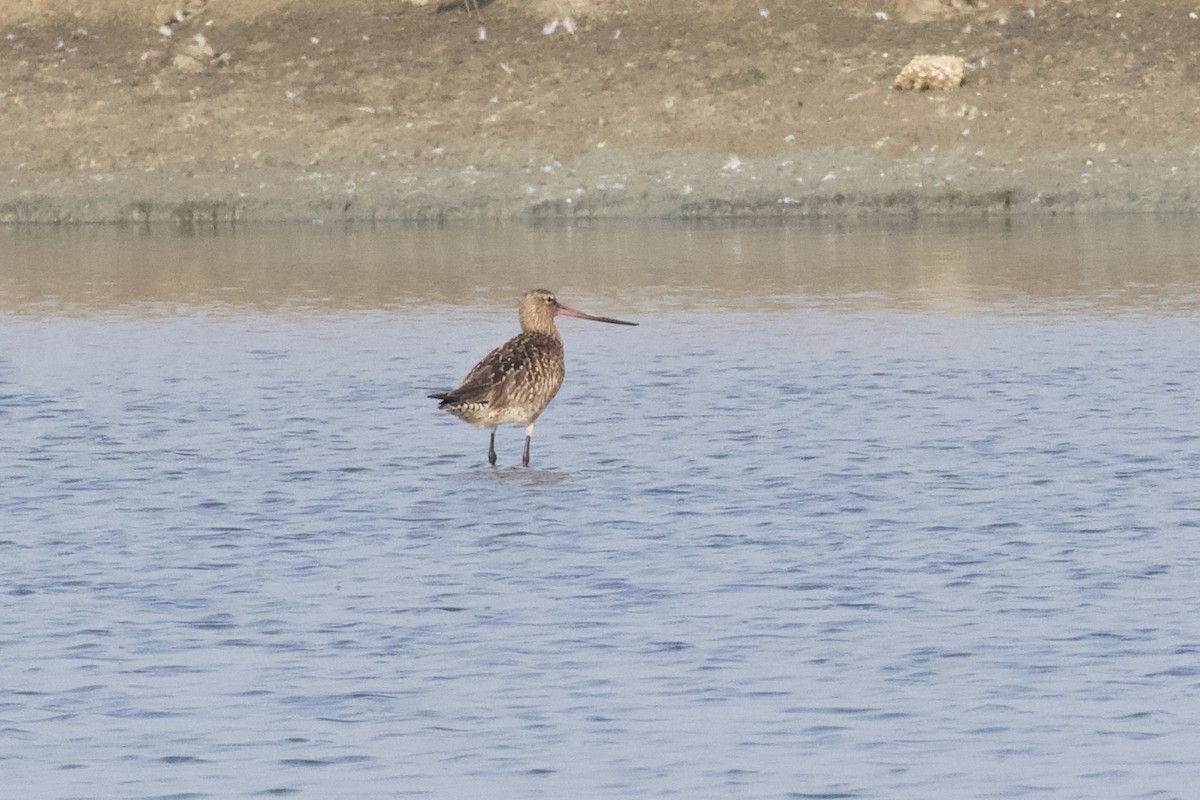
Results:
291 110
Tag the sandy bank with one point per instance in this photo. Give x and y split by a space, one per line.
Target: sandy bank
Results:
288 110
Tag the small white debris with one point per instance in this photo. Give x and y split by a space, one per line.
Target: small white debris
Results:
791 137
482 34
829 176
437 151
966 131
1031 12
165 30
548 169
199 39
550 27
687 188
882 16
569 25
315 40
617 32
494 99
289 94
1191 15
734 163
764 13
507 69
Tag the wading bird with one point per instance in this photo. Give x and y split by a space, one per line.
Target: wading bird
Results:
514 383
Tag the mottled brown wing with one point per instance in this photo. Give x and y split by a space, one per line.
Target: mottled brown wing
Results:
505 371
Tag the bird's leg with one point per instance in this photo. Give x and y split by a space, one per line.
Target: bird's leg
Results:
492 449
528 438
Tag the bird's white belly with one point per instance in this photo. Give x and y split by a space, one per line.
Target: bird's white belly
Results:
511 415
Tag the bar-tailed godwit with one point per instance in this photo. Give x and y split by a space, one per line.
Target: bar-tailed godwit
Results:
514 383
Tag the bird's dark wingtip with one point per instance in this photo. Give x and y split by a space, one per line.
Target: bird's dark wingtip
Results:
439 396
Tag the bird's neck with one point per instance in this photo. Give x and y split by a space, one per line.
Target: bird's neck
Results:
539 323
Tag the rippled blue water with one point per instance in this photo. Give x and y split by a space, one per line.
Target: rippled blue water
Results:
776 542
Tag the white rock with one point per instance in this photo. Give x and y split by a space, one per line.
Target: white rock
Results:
931 72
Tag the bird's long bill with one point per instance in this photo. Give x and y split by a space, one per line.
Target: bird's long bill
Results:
567 311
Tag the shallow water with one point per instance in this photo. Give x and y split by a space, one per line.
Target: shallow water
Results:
856 512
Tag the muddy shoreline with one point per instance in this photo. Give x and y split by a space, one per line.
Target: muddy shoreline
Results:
843 184
286 111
